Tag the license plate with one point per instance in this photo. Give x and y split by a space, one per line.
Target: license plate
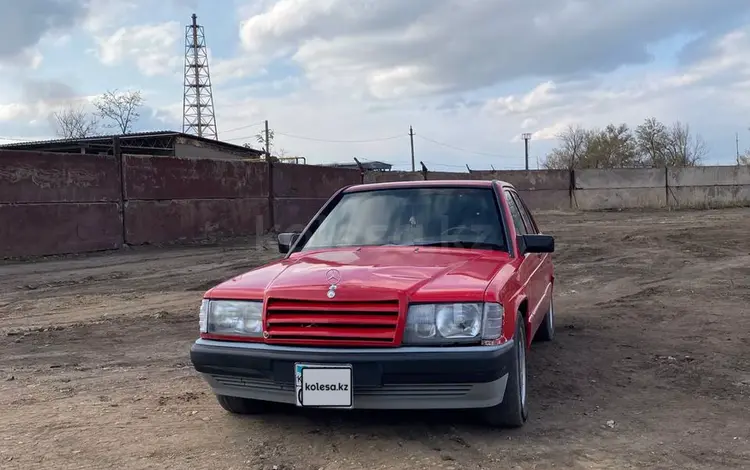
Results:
324 385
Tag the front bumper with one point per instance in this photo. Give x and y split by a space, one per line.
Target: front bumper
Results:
392 378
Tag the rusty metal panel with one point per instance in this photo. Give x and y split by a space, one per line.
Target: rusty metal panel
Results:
57 177
522 180
532 180
291 180
161 178
292 215
197 219
50 229
388 176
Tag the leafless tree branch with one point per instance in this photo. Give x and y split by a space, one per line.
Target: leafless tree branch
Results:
120 109
75 123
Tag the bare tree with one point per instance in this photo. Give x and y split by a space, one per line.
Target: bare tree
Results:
611 147
75 123
121 109
684 148
653 144
573 147
260 137
653 140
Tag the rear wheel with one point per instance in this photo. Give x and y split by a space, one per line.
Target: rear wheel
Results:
546 330
241 406
513 411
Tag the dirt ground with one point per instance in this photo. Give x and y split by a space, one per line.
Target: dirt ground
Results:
650 368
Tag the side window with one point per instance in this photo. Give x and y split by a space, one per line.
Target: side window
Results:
515 213
528 220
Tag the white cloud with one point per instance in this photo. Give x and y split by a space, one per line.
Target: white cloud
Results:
151 47
108 15
471 74
225 70
703 93
393 48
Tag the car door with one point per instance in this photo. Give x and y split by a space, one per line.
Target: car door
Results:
529 262
542 277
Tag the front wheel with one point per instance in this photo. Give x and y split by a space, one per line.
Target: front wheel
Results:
512 412
546 330
241 406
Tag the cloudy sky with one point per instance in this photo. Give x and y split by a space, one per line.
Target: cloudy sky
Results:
346 78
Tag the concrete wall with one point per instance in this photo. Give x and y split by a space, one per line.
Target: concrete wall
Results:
300 191
540 189
709 187
173 199
58 203
68 203
627 188
622 188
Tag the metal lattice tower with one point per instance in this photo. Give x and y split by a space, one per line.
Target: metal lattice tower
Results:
198 102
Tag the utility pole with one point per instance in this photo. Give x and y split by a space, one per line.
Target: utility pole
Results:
737 142
269 175
526 137
411 138
268 144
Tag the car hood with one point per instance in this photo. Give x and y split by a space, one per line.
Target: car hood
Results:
371 273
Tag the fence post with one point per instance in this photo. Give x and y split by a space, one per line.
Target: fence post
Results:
271 215
120 160
424 171
572 188
361 171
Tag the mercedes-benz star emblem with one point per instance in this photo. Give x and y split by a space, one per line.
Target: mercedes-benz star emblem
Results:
333 276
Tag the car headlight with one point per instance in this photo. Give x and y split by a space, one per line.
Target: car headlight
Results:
232 317
453 323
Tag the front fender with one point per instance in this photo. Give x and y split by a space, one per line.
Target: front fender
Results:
511 309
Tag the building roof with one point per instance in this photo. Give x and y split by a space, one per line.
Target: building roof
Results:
145 141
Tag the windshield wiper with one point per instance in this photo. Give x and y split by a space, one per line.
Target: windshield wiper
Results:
463 244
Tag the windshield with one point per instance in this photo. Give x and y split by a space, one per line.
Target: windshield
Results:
439 216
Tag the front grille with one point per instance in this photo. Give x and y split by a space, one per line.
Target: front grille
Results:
331 323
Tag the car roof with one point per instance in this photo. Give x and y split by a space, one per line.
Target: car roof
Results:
426 184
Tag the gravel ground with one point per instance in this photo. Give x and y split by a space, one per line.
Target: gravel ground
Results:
650 368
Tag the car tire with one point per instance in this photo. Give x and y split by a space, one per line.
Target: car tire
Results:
512 412
546 331
241 406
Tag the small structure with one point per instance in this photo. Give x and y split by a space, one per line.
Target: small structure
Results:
159 143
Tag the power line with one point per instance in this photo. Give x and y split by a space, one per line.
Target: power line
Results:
244 127
459 148
383 139
17 139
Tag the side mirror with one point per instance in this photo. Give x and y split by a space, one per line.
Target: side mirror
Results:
536 244
286 240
